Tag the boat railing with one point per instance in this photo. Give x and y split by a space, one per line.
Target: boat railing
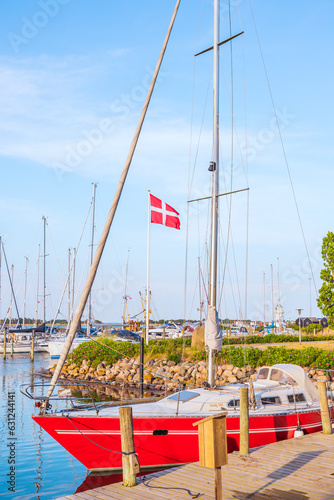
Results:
63 397
66 401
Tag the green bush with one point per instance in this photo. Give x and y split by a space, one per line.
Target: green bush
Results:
174 357
310 357
107 351
274 338
313 326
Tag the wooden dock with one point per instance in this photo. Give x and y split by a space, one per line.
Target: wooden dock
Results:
296 469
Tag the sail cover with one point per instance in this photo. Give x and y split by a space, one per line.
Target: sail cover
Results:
213 334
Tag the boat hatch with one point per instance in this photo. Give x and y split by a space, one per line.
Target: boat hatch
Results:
299 398
183 396
262 374
276 375
282 377
271 400
233 403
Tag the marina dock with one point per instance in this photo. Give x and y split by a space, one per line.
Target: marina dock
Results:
296 469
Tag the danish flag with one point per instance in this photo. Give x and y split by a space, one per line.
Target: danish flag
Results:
161 213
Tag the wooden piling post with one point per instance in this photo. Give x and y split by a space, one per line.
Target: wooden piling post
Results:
212 441
4 343
325 418
32 350
244 422
11 348
129 459
163 333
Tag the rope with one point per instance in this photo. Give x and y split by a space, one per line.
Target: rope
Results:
283 150
123 356
98 445
71 268
61 274
246 161
193 495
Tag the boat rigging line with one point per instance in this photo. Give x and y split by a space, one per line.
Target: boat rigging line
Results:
11 284
283 149
71 269
190 180
49 233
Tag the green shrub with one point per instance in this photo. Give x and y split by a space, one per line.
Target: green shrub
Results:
273 338
174 357
107 351
310 357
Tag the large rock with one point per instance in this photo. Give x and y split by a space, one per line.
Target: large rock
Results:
84 365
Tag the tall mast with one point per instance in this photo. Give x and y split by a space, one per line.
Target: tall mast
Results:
199 290
214 167
264 299
148 269
125 298
0 277
272 292
44 255
278 291
215 164
73 282
37 286
11 295
25 291
69 288
89 321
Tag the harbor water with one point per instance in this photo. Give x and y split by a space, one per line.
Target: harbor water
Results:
33 465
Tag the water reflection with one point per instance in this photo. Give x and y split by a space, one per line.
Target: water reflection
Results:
44 470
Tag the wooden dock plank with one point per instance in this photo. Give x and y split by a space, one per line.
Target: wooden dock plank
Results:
296 469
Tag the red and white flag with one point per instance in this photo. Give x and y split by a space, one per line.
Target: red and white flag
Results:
161 213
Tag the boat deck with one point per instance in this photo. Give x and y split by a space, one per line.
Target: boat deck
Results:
296 469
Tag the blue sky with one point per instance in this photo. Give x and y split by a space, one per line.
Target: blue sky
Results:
70 69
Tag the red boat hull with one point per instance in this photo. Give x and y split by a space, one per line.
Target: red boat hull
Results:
94 440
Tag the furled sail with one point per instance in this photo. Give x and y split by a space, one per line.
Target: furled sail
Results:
213 334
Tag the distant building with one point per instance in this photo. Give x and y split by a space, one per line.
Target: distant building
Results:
306 321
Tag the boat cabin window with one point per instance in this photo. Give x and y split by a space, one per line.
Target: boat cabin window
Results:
183 396
299 398
282 377
262 374
234 403
272 400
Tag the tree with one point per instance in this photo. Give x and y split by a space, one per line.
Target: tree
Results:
326 293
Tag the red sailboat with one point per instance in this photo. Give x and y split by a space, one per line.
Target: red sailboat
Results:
284 398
